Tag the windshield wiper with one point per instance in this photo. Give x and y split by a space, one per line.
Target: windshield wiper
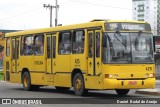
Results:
139 33
121 38
138 36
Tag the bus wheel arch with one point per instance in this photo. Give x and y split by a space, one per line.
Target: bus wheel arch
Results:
78 83
74 72
23 71
26 81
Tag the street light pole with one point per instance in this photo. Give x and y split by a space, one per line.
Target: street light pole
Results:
51 16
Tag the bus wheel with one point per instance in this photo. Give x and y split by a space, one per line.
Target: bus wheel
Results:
122 91
62 88
26 81
78 84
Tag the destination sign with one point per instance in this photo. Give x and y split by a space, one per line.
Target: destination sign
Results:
127 26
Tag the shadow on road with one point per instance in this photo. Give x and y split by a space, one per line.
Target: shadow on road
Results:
90 94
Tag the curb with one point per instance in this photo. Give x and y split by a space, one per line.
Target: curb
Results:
157 81
155 92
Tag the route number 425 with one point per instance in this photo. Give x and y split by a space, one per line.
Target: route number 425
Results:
148 68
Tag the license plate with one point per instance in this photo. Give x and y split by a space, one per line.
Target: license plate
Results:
132 82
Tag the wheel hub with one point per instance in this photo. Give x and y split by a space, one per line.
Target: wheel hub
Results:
78 84
25 81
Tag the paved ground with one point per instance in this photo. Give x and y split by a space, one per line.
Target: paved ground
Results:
155 91
9 90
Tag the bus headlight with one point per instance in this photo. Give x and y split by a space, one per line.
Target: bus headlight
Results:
108 76
111 75
146 75
115 75
149 75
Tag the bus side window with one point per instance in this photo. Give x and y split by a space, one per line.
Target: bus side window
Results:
21 46
64 46
97 44
90 40
78 42
17 49
28 45
54 46
13 49
8 47
38 44
48 47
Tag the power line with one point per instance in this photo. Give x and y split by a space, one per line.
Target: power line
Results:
15 16
19 19
91 3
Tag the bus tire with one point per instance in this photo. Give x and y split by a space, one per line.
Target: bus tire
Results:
78 85
26 80
122 91
62 88
27 83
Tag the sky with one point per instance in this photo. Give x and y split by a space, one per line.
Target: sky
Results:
30 14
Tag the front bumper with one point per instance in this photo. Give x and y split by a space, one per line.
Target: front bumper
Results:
128 84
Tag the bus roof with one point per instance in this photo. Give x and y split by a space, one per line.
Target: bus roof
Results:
93 23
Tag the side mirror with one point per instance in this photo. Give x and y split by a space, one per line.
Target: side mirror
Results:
104 41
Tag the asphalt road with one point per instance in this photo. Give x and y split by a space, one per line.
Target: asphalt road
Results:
9 90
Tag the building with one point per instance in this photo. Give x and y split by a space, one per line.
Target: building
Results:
158 17
148 11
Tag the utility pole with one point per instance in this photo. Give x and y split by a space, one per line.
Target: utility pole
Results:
56 16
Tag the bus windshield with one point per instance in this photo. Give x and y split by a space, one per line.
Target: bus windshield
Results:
128 48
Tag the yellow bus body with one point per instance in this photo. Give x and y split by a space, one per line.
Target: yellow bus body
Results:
107 76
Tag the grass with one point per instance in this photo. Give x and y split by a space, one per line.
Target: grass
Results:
1 75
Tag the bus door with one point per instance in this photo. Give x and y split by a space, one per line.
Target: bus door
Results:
39 54
15 55
94 52
51 51
49 55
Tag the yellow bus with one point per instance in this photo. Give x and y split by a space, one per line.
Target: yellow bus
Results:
97 55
